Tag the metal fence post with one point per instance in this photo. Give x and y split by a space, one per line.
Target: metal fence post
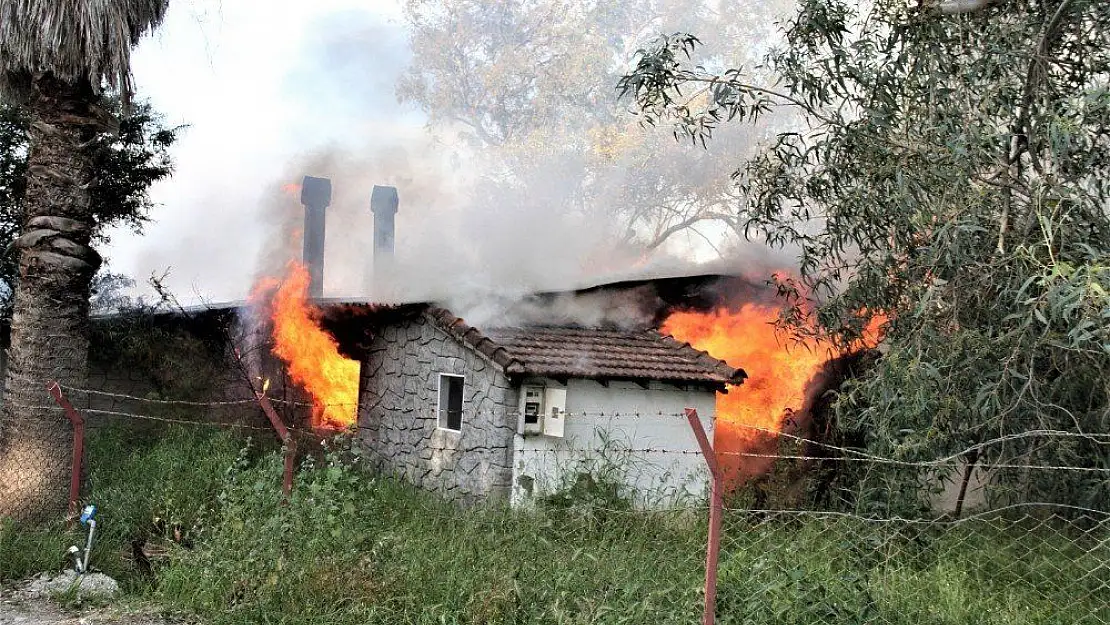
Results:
290 460
78 422
713 548
286 439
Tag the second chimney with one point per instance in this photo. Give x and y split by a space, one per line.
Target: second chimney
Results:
315 196
383 203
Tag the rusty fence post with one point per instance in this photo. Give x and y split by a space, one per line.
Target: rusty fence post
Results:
290 459
286 439
716 506
78 422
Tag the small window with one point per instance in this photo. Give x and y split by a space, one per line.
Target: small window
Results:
450 401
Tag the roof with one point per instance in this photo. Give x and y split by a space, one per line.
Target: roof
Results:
592 353
675 281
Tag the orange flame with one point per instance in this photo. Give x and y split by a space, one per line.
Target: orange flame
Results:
748 416
291 189
312 355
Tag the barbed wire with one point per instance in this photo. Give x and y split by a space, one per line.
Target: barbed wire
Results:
277 400
923 464
171 402
940 519
203 404
850 454
1101 438
173 420
847 454
116 413
569 451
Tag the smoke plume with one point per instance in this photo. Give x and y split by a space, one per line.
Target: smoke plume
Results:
472 231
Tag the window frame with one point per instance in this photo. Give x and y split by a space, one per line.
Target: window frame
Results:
442 419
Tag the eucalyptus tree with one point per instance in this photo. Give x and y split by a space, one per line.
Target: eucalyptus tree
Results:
951 172
56 59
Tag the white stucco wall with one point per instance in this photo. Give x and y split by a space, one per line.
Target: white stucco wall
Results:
600 422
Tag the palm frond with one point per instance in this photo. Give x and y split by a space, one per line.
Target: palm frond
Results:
72 39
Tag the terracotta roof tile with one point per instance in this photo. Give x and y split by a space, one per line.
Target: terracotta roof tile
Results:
590 353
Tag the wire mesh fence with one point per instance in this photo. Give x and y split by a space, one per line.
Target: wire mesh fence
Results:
801 539
1023 565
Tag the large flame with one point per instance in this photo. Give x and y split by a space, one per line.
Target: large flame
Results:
311 354
748 416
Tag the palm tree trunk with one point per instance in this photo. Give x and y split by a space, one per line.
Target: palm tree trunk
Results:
49 334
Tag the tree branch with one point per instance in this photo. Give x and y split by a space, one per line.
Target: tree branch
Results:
661 237
1020 134
717 80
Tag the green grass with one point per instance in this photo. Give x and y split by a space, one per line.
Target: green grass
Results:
28 550
804 569
144 486
352 548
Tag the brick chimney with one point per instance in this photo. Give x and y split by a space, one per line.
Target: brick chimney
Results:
315 196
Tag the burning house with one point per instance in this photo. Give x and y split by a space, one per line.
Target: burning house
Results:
514 413
519 400
532 397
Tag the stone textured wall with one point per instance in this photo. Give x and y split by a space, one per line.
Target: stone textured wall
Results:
398 406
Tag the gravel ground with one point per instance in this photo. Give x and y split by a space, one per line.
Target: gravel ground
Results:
16 609
43 612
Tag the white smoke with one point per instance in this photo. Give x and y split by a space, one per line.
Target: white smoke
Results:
331 112
633 308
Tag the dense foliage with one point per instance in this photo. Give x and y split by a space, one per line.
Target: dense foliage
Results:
129 162
952 172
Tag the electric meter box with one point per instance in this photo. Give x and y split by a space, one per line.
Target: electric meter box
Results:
544 410
533 409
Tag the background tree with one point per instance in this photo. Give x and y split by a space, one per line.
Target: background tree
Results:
55 58
952 173
129 162
529 86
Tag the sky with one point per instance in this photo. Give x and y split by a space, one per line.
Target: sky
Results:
262 85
